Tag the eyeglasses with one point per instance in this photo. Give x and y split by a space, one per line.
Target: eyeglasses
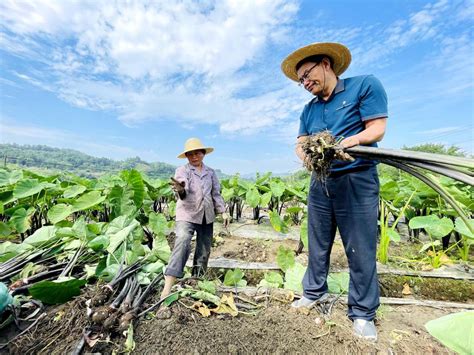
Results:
306 74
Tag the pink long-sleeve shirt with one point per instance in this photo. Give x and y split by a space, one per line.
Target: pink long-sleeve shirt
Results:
203 196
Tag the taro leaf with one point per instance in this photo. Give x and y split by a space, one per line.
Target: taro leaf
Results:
393 235
99 243
285 258
10 177
233 277
158 224
59 212
304 232
206 296
119 237
272 279
294 277
277 187
277 223
29 187
20 219
294 209
41 236
433 225
161 249
252 197
227 194
73 191
5 231
461 227
265 198
121 201
170 299
456 331
154 268
135 180
207 286
87 200
338 282
427 246
56 292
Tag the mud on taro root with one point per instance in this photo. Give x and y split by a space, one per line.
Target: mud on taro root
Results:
321 149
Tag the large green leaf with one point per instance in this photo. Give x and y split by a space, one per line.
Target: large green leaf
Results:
87 200
135 180
158 224
252 197
461 227
73 191
432 224
272 279
59 212
21 219
41 236
5 231
234 278
10 177
29 187
294 277
338 282
56 292
285 258
118 237
456 331
277 187
265 198
227 193
277 223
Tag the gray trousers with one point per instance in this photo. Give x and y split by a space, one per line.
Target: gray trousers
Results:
182 248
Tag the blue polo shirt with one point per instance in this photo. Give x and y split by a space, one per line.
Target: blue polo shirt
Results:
353 101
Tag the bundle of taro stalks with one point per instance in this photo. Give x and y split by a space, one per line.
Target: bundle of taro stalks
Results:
322 148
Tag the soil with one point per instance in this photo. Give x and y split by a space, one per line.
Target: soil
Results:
276 329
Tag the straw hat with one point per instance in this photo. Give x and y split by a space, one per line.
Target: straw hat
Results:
340 55
194 144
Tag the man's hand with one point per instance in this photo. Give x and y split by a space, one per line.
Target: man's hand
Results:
350 142
178 187
225 219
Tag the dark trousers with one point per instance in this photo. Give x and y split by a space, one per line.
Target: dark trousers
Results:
182 248
348 202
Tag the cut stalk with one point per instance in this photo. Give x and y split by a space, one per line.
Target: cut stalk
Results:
405 155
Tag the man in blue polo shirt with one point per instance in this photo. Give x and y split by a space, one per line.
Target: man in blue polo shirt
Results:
356 110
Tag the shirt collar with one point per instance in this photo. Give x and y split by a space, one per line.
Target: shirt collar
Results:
203 171
339 87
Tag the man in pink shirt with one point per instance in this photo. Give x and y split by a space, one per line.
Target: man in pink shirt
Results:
199 200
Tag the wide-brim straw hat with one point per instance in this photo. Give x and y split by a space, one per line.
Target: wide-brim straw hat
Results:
340 55
194 144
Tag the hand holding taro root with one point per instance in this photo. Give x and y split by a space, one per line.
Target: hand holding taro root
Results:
178 187
320 150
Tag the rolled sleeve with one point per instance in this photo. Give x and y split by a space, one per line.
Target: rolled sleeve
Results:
373 99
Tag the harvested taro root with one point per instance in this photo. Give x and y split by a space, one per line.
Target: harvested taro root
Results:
321 149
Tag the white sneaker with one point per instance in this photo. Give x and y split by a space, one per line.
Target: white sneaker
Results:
365 329
307 303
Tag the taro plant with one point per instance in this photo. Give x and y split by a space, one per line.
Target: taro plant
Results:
435 228
388 234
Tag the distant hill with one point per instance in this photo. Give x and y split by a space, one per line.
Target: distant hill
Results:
47 158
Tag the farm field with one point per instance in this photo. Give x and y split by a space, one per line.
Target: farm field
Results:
65 238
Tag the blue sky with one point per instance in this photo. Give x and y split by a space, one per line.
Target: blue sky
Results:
122 79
